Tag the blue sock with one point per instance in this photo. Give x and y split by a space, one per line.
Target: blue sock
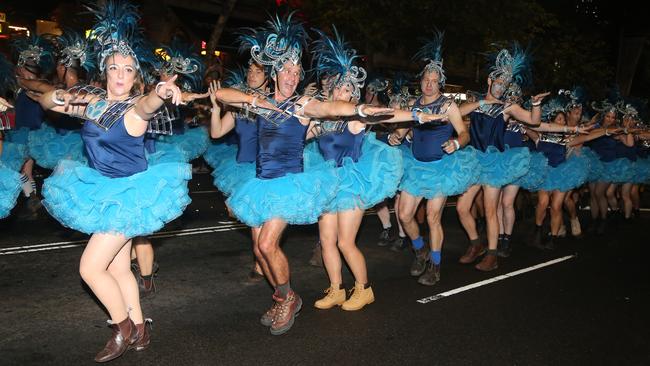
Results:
418 243
435 257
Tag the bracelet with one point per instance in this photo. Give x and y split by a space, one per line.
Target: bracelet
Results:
625 131
606 133
253 102
357 110
577 129
456 143
536 104
56 100
565 129
481 103
157 87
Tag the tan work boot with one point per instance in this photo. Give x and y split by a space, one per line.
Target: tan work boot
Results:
361 296
335 296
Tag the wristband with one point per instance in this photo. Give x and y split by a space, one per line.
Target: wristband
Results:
357 110
253 102
456 143
481 103
157 87
606 133
536 104
566 129
56 100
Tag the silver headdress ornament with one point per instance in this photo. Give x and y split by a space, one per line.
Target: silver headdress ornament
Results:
399 92
334 57
74 51
285 42
551 108
511 66
606 107
180 59
431 52
576 97
513 93
377 86
116 31
34 51
628 111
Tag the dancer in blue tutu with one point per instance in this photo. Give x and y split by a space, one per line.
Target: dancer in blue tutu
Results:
118 196
615 166
499 165
10 184
35 61
436 166
180 60
369 171
567 169
283 192
59 138
235 164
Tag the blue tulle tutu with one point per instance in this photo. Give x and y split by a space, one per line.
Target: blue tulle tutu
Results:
80 198
596 167
311 154
194 142
619 170
18 136
296 198
47 147
500 168
13 155
168 153
570 174
372 179
641 171
227 173
449 176
536 173
9 189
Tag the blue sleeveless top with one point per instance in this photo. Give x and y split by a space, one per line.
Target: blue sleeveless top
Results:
624 151
246 134
341 143
281 144
605 147
114 153
553 146
428 138
487 127
514 135
28 112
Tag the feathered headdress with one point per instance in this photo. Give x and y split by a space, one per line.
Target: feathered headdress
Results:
284 42
431 52
551 108
7 75
180 59
34 53
236 78
611 104
377 85
512 66
399 91
116 31
576 97
74 51
333 56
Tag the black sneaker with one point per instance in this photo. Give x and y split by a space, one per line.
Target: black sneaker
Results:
420 261
384 238
503 248
431 276
399 244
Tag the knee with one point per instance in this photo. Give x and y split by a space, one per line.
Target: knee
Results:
267 246
87 271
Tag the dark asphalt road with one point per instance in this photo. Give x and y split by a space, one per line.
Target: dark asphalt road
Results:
590 309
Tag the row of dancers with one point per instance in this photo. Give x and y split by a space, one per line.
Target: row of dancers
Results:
283 157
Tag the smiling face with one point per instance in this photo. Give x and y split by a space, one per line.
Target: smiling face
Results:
286 81
121 74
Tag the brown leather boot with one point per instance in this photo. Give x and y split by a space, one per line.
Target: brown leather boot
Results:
142 336
489 262
473 252
124 334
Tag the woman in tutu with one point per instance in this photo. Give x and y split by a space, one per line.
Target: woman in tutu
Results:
117 197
